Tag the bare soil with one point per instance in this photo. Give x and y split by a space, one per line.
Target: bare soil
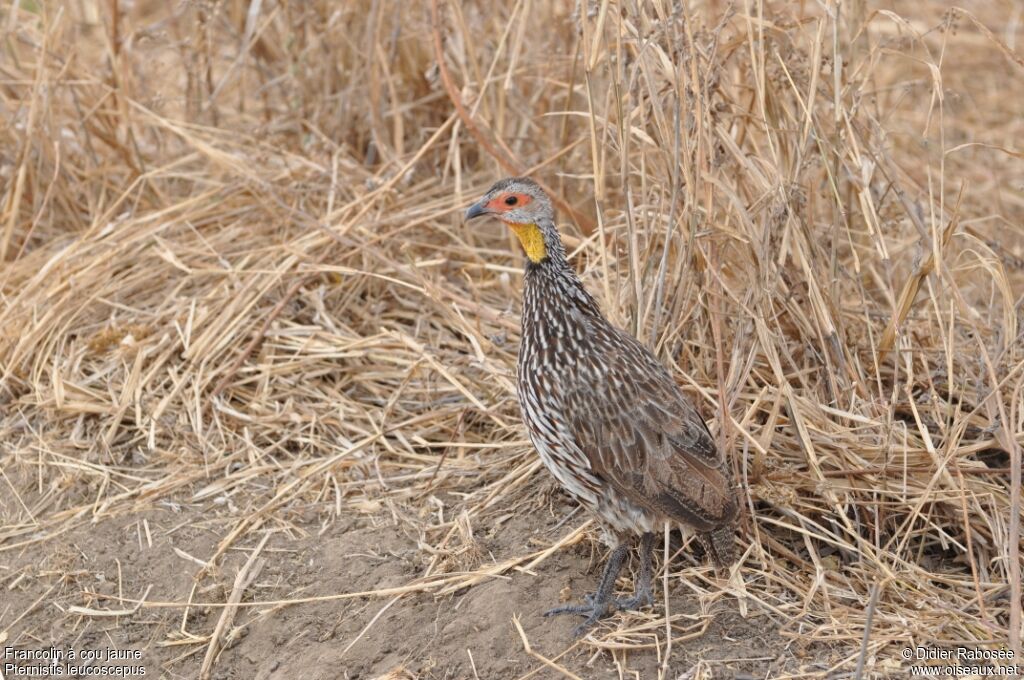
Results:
468 634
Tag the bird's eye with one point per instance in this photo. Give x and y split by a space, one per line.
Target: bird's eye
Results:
511 200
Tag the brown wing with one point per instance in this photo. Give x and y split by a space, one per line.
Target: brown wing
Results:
643 436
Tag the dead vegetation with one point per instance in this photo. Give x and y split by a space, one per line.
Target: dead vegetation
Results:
235 278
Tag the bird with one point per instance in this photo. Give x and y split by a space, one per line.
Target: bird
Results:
605 416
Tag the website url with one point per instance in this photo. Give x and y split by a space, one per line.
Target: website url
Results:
962 671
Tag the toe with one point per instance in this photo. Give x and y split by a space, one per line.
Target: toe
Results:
579 630
578 609
591 608
638 601
588 608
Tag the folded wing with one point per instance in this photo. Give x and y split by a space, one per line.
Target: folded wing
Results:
642 435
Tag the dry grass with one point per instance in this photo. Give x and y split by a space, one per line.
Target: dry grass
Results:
235 276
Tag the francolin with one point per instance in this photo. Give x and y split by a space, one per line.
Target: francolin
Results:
606 417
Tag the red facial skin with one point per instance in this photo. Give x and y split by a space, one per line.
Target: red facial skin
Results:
498 205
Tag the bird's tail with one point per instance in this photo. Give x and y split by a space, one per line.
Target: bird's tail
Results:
720 544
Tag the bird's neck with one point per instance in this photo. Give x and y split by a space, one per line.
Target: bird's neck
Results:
553 282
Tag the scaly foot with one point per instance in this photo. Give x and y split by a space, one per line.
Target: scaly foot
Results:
600 604
593 610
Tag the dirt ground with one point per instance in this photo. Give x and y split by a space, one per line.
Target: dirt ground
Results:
465 635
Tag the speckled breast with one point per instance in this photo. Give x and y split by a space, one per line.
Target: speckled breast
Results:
555 337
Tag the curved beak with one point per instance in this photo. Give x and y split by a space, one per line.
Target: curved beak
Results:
476 210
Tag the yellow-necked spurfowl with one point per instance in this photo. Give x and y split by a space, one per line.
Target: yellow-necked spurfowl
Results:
605 416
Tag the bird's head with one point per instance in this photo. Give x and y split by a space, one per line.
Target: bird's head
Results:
520 203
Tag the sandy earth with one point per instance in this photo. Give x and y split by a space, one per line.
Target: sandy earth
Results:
464 635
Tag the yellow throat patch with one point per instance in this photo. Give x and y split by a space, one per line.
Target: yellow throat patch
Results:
532 239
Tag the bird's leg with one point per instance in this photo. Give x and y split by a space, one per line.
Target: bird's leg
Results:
596 605
642 593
